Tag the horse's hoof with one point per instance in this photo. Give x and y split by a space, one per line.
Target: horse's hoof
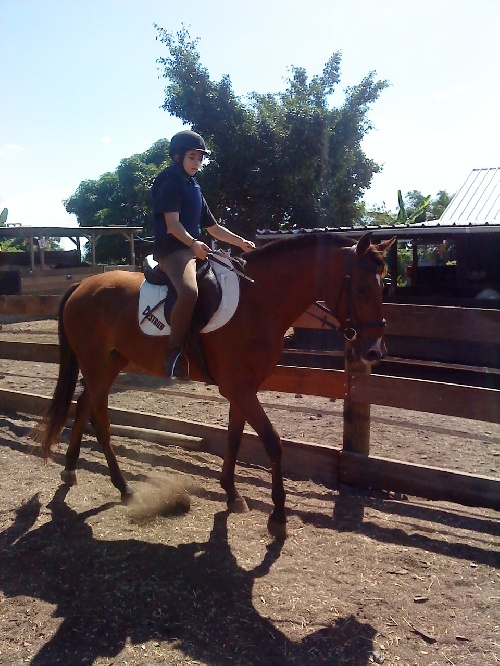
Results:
127 494
238 506
69 477
277 530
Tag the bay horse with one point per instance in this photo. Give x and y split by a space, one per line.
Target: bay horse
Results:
99 335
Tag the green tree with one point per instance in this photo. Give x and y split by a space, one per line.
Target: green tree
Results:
121 197
414 207
439 204
377 215
418 208
283 160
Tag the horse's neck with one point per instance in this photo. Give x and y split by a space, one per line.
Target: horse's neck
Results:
291 286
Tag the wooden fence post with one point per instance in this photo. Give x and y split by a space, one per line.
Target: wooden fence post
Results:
356 414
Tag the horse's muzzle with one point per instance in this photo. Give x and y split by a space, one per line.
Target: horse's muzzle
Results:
374 353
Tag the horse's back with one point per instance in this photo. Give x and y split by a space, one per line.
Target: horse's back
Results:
116 279
105 299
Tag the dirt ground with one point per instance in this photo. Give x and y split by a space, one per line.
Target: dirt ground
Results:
362 578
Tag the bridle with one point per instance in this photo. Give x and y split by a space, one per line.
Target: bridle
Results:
350 330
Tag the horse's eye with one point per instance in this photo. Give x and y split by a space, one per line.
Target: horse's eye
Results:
362 291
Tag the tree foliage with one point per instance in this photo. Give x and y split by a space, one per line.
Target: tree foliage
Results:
414 207
281 159
121 197
414 210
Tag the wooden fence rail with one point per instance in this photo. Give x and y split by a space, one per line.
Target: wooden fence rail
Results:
359 389
481 404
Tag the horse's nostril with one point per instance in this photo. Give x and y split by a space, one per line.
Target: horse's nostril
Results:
373 355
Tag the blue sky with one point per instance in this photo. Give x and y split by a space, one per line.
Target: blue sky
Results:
80 88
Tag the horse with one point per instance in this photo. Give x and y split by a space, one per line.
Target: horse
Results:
99 336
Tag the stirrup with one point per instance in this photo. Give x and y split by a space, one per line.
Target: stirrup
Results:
177 365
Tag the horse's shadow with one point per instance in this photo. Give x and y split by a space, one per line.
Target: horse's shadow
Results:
194 595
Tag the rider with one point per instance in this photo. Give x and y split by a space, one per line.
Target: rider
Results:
180 213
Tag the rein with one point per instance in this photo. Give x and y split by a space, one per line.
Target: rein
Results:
350 330
233 263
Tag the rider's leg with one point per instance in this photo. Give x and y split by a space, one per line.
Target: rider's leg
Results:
180 266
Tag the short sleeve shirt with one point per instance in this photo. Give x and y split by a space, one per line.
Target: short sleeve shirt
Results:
174 191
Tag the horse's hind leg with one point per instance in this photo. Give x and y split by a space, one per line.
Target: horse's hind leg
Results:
68 475
99 372
235 501
100 422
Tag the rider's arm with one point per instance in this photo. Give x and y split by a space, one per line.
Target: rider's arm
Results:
175 227
226 236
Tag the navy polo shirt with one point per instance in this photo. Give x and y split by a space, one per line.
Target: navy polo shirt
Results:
174 191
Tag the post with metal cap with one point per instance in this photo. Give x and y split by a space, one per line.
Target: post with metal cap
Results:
356 414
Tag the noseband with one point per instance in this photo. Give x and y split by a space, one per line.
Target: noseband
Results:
350 330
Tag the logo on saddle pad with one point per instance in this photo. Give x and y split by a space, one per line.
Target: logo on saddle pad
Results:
217 301
149 316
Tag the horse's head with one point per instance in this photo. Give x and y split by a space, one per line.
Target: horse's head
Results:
359 304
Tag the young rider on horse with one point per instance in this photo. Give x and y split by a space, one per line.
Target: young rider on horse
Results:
180 213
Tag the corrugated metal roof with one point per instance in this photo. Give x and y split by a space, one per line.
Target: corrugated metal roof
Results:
425 229
477 201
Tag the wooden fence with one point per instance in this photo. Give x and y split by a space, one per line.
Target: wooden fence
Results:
357 387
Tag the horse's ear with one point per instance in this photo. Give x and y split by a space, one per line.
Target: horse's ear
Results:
383 247
364 243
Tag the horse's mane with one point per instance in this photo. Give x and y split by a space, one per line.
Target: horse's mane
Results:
298 242
303 241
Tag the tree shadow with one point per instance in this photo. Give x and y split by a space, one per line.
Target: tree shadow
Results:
195 595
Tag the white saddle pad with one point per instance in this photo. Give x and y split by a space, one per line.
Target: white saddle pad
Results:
152 318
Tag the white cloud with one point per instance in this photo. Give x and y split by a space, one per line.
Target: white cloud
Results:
106 139
457 89
11 149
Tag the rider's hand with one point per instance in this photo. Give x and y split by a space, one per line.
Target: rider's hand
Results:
200 249
247 245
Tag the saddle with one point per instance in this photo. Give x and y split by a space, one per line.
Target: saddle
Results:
209 291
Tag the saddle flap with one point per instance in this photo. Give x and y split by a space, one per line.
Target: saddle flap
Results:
209 291
209 296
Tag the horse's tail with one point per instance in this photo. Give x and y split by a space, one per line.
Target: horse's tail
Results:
53 420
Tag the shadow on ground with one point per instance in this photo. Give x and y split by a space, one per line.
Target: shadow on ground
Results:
194 596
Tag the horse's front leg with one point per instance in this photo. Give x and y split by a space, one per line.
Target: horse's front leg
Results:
255 415
235 501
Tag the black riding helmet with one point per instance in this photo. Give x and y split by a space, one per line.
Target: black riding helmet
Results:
184 141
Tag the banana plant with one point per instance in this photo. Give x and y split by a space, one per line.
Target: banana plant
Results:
403 217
